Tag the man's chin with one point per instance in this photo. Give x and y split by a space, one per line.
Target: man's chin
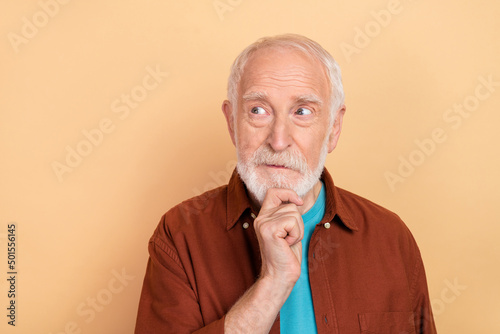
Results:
259 179
279 178
259 185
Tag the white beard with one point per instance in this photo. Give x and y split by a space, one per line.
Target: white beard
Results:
265 155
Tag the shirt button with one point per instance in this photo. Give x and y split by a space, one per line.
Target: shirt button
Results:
245 225
253 215
327 225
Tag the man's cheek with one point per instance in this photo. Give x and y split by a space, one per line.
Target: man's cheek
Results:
246 150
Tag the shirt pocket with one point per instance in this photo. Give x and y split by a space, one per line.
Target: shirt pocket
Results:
386 323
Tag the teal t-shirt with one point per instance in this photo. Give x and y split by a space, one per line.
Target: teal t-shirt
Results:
297 314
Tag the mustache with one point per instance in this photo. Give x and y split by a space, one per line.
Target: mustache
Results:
292 159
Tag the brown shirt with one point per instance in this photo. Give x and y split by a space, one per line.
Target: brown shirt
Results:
365 269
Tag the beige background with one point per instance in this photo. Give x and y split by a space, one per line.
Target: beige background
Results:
65 69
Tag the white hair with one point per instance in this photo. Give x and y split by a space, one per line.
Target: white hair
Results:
295 42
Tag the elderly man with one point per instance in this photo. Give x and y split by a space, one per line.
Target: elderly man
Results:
280 248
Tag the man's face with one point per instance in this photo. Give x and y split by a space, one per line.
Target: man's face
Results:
282 123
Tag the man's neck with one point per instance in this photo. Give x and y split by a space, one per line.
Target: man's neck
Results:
310 198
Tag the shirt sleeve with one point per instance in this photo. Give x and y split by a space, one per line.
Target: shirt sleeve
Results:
168 304
423 318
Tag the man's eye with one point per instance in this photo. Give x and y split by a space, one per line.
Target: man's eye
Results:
303 111
258 111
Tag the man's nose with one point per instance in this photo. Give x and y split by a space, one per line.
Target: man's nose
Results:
280 136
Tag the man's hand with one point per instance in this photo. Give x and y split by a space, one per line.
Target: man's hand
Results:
279 228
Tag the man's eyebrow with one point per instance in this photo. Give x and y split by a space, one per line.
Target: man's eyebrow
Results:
252 96
309 98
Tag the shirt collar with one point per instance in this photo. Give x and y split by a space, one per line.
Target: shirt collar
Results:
334 204
238 202
237 199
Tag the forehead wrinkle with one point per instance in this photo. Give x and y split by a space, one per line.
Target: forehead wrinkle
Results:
290 75
280 79
308 84
306 92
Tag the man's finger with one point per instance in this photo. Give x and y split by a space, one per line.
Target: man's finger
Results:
277 196
295 234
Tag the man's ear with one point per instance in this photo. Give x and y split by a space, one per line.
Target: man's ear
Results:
227 109
336 128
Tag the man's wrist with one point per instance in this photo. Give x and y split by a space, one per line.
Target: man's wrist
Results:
275 288
257 310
